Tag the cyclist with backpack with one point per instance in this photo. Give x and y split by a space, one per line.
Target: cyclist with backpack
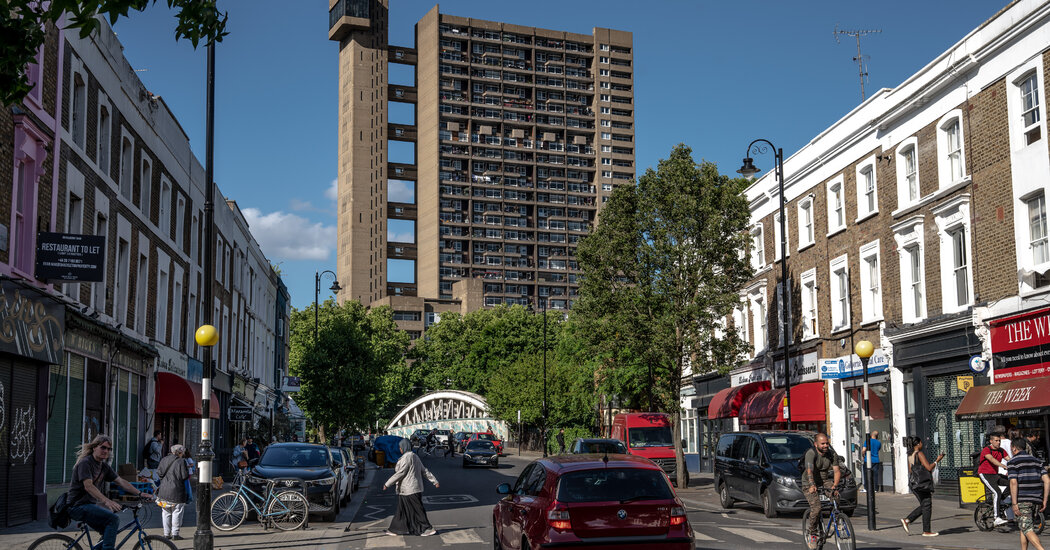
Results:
992 458
820 469
87 502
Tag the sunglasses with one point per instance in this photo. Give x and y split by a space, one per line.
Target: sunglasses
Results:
105 447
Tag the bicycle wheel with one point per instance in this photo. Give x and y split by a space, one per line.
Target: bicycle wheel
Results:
228 511
288 510
821 536
153 542
844 537
55 542
1039 522
983 517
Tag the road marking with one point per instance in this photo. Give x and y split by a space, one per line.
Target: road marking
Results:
755 535
383 540
702 505
725 515
375 510
449 499
700 536
461 536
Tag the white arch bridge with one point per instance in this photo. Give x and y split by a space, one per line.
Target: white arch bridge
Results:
455 410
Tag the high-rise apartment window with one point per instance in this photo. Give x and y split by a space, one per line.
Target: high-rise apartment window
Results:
1029 89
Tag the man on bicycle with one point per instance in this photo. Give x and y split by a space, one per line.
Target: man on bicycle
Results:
87 503
820 469
993 457
1029 488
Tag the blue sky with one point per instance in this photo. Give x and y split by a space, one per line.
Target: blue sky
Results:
711 74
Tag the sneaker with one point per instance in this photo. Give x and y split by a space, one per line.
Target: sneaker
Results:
390 533
176 537
428 532
934 534
904 524
812 542
999 521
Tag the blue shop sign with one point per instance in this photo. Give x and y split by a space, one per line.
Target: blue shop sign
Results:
851 366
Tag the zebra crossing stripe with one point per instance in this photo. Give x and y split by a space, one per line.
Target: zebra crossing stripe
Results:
700 536
461 536
383 540
755 535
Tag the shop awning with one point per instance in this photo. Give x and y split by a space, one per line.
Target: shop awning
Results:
726 403
176 395
767 407
1017 398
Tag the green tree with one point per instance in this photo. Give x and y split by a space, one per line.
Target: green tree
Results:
343 373
662 271
23 26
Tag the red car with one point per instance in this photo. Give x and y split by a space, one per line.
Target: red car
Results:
612 502
487 436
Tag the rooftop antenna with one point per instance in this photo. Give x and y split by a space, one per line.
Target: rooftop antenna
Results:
859 59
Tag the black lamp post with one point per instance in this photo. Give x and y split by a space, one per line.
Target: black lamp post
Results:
317 294
748 170
543 425
864 349
202 537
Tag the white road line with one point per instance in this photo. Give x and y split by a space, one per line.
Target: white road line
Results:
461 536
375 510
700 536
702 505
755 535
383 540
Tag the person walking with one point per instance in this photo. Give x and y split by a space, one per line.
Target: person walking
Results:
1029 488
155 450
561 441
876 464
992 458
87 503
821 469
252 450
171 494
920 481
410 518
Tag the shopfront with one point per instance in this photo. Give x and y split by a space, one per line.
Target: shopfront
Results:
222 442
934 362
177 418
760 403
32 341
708 429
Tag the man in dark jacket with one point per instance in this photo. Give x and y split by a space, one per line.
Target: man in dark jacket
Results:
172 495
253 450
561 441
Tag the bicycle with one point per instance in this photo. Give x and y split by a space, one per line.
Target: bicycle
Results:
837 525
984 515
56 541
287 510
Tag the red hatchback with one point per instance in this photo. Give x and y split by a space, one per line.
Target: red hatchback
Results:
612 502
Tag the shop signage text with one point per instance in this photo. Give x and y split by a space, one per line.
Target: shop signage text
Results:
70 257
1021 346
240 414
851 365
31 327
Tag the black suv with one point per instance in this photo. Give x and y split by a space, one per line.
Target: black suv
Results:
301 465
763 468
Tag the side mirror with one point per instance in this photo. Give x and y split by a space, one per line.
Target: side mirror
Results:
503 489
752 462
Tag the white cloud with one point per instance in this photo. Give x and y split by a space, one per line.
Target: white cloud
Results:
401 191
332 193
402 237
284 236
300 205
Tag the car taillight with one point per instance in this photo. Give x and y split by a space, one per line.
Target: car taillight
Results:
558 519
677 515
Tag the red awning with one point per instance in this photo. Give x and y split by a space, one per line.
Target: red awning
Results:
1017 398
726 403
767 407
176 395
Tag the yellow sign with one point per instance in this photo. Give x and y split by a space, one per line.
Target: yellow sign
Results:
964 383
970 489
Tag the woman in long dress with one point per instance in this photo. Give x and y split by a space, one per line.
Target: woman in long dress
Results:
410 517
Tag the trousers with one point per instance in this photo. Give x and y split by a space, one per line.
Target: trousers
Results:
99 519
171 517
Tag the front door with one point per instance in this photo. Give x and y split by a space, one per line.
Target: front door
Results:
18 423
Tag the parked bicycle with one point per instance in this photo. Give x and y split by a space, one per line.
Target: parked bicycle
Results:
984 515
833 523
285 509
57 541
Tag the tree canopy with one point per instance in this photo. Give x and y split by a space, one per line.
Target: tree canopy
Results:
661 272
23 25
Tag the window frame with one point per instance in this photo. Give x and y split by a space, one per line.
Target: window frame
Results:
868 166
758 308
839 279
946 150
871 291
757 242
909 236
810 303
776 235
836 186
806 204
908 148
1037 126
950 218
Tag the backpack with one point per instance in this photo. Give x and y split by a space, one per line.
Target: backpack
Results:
58 513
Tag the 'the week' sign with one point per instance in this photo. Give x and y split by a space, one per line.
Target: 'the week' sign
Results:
1021 344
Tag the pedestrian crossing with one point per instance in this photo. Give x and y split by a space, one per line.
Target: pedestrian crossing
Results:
451 537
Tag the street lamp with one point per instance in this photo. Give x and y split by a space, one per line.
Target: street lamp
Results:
864 349
317 294
748 170
543 426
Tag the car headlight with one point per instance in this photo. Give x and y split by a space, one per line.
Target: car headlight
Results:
323 481
785 481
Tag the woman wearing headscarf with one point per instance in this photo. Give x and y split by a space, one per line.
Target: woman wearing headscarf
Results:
172 491
410 517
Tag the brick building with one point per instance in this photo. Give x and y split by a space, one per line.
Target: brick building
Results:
916 222
97 154
519 133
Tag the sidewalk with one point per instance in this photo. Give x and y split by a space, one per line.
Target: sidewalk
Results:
954 524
